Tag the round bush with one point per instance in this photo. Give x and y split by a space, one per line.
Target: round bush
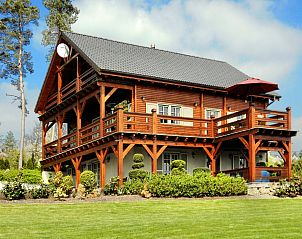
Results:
88 180
67 184
201 170
14 190
137 174
138 158
178 164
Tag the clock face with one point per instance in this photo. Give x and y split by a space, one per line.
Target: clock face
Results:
63 50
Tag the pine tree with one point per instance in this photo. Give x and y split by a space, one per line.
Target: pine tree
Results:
16 17
62 14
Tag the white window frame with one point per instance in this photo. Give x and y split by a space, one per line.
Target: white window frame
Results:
169 106
206 116
170 159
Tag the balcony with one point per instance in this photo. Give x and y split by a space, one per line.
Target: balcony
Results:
71 88
154 124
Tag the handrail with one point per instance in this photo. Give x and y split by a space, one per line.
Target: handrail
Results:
152 123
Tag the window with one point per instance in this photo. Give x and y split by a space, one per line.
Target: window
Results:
164 162
215 112
163 110
171 110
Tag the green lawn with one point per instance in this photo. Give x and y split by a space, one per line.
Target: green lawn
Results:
277 218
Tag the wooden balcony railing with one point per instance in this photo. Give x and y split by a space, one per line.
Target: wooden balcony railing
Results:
271 173
68 90
153 123
90 132
242 172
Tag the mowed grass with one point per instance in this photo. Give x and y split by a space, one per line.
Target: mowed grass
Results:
246 218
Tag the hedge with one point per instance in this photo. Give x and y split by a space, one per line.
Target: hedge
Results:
28 175
201 185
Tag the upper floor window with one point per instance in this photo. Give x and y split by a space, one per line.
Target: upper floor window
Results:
171 110
215 112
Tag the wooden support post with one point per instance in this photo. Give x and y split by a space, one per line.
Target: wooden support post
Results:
59 97
79 122
102 109
252 158
288 156
154 159
213 126
251 116
154 121
76 163
120 163
78 80
60 123
101 155
44 126
289 118
120 118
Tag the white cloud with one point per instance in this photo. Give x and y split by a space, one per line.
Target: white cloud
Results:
245 34
10 116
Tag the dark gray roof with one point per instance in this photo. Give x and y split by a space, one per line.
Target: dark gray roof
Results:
144 61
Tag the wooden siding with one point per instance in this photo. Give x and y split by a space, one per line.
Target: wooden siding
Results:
153 94
213 101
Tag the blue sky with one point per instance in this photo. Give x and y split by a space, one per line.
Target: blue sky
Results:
261 38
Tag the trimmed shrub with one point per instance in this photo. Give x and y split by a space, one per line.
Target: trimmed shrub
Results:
201 185
178 167
88 181
28 176
138 158
31 176
201 170
14 190
138 165
42 191
137 173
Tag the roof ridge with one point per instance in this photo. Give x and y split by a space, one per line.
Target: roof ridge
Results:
131 44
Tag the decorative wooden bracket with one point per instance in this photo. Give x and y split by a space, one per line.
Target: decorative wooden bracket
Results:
110 94
57 167
76 163
101 154
154 154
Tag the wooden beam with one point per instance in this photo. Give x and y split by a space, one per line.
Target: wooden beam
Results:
252 158
110 94
285 146
114 151
244 142
148 150
127 150
162 149
101 155
258 144
76 163
120 163
102 109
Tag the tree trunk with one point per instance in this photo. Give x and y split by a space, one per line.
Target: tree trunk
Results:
23 105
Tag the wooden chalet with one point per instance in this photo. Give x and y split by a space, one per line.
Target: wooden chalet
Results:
108 100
